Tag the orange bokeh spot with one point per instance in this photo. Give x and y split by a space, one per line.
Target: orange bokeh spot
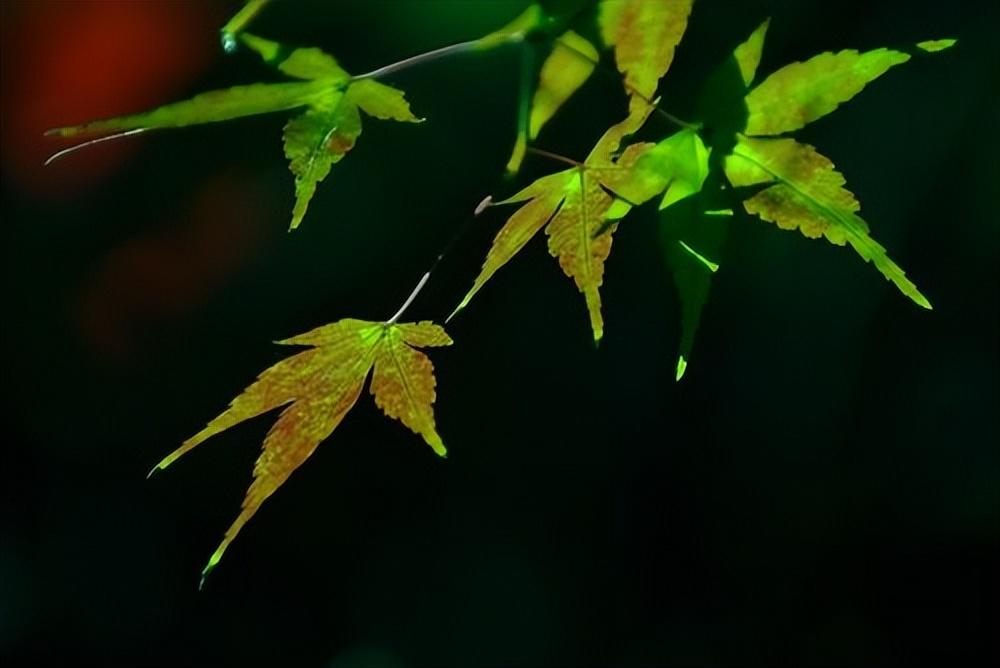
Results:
68 62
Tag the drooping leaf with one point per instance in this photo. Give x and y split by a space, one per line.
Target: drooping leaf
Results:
578 212
692 242
802 92
313 141
644 34
567 68
808 195
320 137
748 53
214 106
319 386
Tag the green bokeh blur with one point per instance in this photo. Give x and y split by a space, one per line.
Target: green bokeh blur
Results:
823 488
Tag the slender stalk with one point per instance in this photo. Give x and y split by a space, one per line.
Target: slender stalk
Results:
100 140
409 300
554 156
419 59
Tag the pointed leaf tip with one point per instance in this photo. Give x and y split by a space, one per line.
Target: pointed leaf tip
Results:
802 92
682 366
936 45
748 53
213 561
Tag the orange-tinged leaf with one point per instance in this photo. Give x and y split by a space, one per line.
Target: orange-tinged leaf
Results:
319 386
808 195
644 34
578 214
403 384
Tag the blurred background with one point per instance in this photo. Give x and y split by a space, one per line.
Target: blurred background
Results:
822 488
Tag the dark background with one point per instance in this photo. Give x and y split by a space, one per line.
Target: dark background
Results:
823 488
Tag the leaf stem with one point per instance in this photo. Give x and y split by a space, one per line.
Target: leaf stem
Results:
426 57
554 156
100 140
409 300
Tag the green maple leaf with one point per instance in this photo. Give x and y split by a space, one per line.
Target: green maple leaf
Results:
579 209
808 194
689 238
319 386
793 185
314 140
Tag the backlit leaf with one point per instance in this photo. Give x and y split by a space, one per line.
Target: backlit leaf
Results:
677 165
318 387
935 45
808 195
566 69
320 137
301 63
576 210
215 106
800 93
748 53
644 34
313 141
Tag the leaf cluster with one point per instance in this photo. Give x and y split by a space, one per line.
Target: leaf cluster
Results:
738 155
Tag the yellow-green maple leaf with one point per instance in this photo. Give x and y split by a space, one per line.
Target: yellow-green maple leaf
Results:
808 195
748 53
319 386
566 68
644 34
313 141
800 93
578 214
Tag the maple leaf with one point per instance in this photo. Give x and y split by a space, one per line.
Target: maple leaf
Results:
644 35
313 141
578 209
319 386
807 192
679 165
